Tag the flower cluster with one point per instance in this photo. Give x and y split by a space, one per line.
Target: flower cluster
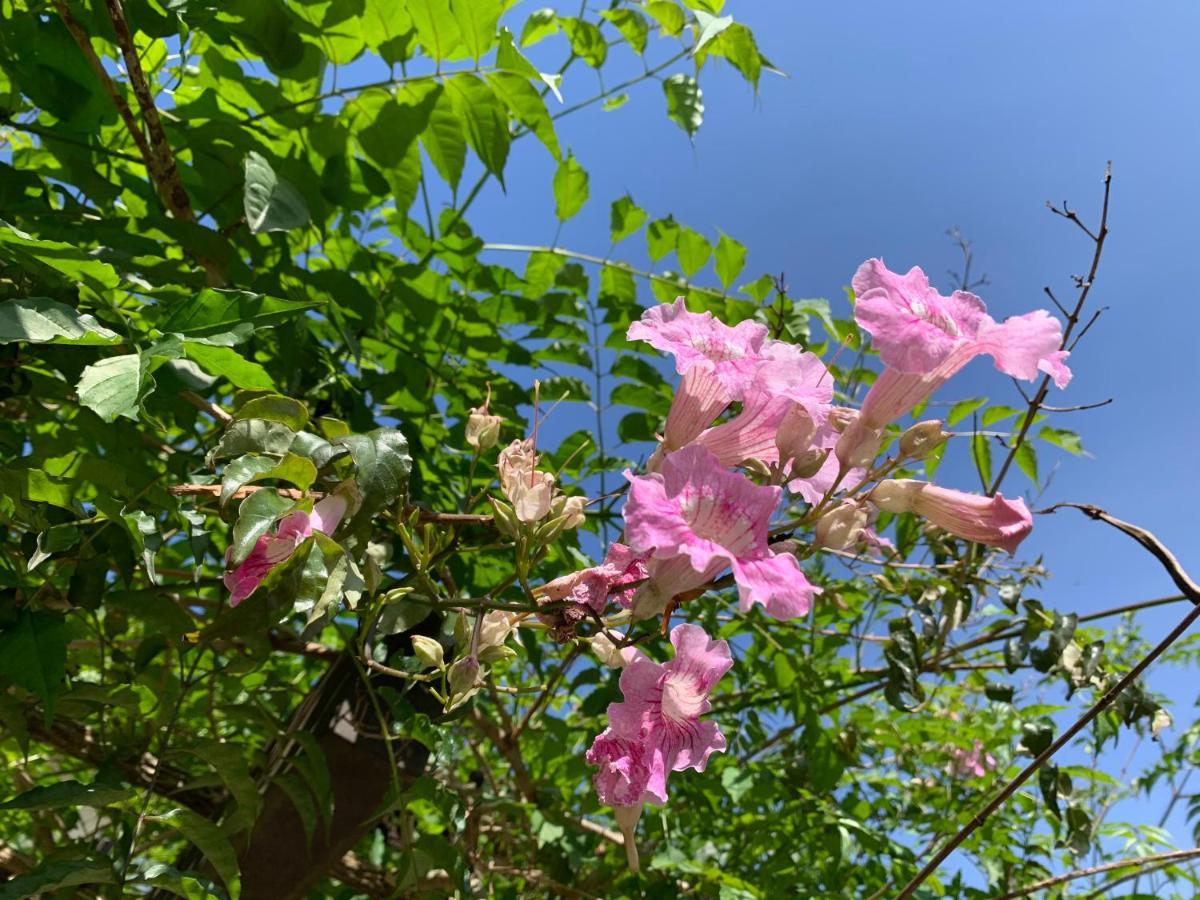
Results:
754 419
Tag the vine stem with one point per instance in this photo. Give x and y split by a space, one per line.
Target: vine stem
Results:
1138 862
1185 584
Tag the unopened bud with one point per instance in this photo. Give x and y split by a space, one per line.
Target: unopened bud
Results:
428 651
490 655
858 446
505 517
841 417
842 526
756 468
922 439
894 496
483 429
571 508
795 434
808 463
463 675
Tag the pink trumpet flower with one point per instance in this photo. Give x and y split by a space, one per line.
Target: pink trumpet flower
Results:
272 550
657 728
695 519
924 338
986 520
717 362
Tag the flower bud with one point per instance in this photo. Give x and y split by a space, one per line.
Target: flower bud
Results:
858 446
894 496
505 517
531 498
841 417
428 651
571 508
463 675
922 439
496 626
501 653
483 430
842 526
795 434
808 463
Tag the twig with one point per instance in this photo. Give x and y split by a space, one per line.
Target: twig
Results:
206 407
1140 861
1080 408
1085 288
1185 584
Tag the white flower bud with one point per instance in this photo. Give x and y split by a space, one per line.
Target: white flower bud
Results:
428 651
842 526
922 439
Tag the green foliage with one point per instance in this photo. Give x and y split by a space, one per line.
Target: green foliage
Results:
278 311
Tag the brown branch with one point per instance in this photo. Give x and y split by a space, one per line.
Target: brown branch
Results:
1085 288
1139 862
206 407
1186 585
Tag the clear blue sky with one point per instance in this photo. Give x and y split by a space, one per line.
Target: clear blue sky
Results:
897 121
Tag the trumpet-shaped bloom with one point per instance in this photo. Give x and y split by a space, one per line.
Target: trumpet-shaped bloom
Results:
986 520
790 384
593 587
695 519
531 492
717 362
272 550
924 338
657 728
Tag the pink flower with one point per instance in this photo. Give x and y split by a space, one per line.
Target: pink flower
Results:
790 385
657 729
985 520
716 361
696 519
971 762
924 338
530 491
594 587
273 550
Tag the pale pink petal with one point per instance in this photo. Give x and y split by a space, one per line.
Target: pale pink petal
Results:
1024 345
913 326
700 399
269 551
697 339
295 526
776 582
327 513
698 657
994 521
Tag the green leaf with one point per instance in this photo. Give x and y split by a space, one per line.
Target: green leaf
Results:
229 762
245 470
444 141
586 40
477 21
68 793
437 28
684 102
54 876
271 203
964 408
274 408
662 236
708 27
486 121
625 218
208 839
33 654
256 515
381 464
668 15
1063 439
693 251
736 44
570 188
981 453
225 362
114 387
540 25
39 320
388 29
731 259
214 310
252 436
1026 458
631 24
526 105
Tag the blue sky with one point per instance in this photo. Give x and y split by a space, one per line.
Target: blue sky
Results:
898 121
